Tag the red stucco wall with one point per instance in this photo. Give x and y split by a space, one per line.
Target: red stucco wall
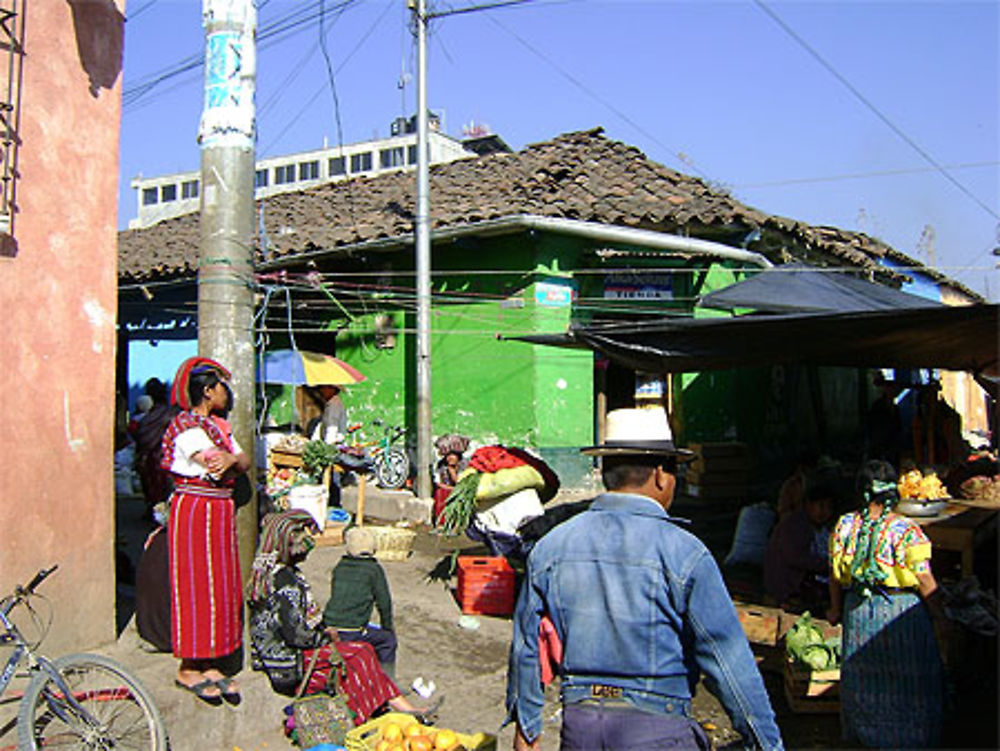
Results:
58 302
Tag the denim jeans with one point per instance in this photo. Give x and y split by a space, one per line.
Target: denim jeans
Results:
588 726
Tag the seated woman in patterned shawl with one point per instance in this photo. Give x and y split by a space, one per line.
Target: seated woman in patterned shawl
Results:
286 627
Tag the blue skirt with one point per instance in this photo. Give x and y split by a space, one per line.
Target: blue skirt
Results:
892 678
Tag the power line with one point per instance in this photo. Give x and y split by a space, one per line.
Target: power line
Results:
140 10
875 110
268 34
339 68
329 69
473 8
685 160
861 175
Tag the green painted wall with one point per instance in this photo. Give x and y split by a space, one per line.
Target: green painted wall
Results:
493 390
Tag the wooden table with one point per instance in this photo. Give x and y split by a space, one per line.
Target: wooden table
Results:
960 528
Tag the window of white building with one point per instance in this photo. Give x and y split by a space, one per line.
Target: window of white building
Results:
284 173
391 157
361 162
309 170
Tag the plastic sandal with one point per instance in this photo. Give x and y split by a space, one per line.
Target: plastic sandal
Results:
198 689
231 697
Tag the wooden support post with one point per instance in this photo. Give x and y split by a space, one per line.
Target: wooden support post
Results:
360 517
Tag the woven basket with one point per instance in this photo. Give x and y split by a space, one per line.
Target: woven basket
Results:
392 543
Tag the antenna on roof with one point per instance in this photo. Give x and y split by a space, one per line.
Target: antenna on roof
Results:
926 244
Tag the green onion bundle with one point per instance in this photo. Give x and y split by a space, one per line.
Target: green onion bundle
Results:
461 505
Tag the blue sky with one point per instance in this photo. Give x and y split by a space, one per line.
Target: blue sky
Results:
721 90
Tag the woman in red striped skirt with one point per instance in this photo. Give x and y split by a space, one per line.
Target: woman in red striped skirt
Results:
205 583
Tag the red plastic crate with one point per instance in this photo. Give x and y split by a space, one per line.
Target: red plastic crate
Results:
485 585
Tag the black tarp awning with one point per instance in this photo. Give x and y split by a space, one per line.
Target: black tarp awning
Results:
799 288
953 338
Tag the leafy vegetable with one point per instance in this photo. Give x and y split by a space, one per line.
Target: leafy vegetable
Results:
318 455
804 642
818 657
461 505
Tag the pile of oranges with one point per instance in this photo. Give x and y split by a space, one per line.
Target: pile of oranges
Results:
416 737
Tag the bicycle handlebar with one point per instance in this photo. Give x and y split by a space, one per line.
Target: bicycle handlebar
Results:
38 579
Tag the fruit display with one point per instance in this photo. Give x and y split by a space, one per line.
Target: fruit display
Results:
402 732
917 485
982 488
417 737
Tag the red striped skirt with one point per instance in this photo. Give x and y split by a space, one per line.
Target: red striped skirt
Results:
363 683
205 583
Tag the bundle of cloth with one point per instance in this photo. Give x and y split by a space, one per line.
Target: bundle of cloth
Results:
501 489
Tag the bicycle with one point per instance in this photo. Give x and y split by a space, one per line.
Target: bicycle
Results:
390 464
77 701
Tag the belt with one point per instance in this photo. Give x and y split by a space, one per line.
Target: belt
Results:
206 491
616 697
878 589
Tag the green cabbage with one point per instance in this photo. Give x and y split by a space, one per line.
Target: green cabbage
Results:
804 643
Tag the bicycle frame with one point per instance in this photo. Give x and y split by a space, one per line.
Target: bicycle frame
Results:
22 652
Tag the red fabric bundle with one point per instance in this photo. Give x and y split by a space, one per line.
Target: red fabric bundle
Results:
493 458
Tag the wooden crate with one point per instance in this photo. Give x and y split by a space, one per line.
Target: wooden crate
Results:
811 691
333 534
759 623
285 458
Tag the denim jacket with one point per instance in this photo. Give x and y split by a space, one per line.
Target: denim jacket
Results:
639 604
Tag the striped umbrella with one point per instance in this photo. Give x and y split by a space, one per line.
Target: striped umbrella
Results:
298 368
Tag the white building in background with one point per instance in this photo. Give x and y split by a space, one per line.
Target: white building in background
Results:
168 196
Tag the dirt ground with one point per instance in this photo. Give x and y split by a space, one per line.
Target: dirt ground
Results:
469 667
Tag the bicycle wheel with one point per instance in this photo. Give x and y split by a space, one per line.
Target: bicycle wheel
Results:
392 469
118 711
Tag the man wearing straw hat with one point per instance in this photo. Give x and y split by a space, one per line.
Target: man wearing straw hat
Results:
640 609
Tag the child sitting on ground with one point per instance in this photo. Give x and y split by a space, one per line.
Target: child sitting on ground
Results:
358 584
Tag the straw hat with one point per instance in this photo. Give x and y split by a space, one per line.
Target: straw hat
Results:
638 432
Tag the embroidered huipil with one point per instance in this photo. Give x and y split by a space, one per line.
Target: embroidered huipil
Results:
902 550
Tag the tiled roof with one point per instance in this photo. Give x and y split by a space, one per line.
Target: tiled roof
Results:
581 175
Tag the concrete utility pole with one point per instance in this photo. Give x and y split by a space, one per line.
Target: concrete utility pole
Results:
423 262
225 263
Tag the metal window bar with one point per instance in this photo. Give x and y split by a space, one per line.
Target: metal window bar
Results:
11 47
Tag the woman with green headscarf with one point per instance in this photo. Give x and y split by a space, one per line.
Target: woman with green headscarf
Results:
892 679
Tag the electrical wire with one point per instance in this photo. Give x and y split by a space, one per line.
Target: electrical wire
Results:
268 34
860 175
875 110
473 8
140 10
681 158
266 150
